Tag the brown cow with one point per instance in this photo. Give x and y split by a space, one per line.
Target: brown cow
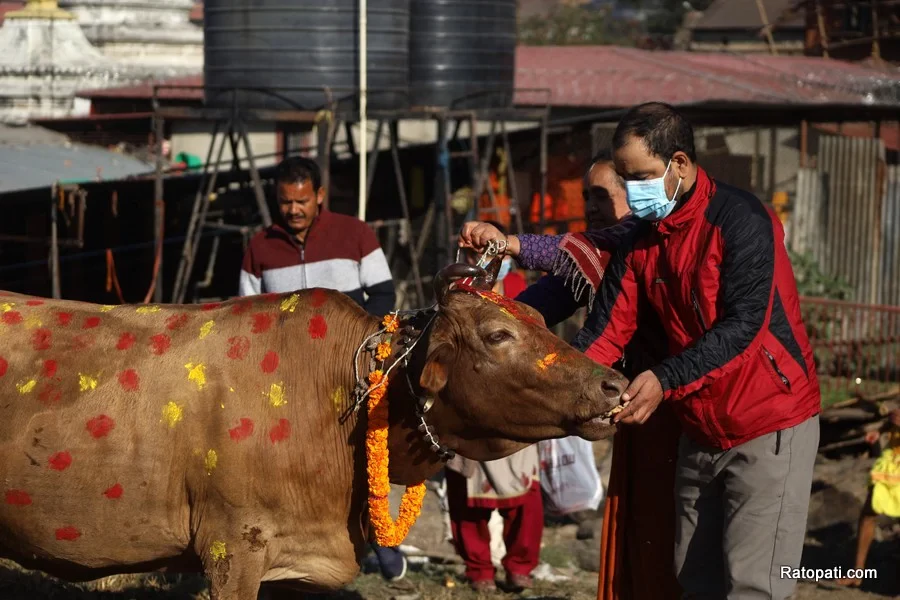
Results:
211 438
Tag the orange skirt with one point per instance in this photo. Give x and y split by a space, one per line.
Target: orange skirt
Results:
637 541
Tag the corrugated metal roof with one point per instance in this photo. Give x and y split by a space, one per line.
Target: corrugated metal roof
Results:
617 77
40 164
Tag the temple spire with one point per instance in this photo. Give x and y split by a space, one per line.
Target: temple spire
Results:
40 9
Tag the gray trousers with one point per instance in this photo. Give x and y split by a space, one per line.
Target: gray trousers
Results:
741 514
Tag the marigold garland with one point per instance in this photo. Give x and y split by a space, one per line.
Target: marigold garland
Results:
387 532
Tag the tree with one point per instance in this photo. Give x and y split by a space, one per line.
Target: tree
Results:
569 25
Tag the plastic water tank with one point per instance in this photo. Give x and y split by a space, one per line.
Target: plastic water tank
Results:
288 51
462 53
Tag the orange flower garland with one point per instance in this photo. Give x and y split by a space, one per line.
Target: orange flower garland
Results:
387 532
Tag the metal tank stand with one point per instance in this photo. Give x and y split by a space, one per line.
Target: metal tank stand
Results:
414 247
229 126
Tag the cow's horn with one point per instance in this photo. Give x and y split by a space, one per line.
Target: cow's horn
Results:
450 273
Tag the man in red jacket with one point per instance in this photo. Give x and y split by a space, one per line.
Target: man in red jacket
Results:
710 261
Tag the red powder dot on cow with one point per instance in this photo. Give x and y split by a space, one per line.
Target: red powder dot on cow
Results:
60 461
160 343
49 394
115 492
238 347
281 431
269 362
261 322
100 426
126 341
318 297
241 307
91 322
3 366
64 318
68 534
129 380
12 317
83 341
318 328
18 498
34 303
242 431
41 339
50 367
211 306
176 322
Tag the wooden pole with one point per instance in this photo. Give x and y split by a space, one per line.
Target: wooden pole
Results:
766 26
823 35
54 243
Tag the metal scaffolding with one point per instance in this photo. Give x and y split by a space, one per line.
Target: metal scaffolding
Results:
230 126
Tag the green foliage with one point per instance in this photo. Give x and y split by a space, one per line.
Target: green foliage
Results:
575 26
812 282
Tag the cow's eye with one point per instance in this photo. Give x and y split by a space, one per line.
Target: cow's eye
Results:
499 336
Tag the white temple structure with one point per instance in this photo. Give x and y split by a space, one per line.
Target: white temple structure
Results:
45 56
157 34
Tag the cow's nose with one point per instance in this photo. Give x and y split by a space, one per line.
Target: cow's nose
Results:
614 386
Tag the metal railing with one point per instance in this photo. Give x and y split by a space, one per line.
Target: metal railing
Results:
856 347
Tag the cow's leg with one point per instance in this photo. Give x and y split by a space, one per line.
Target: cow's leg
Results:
234 572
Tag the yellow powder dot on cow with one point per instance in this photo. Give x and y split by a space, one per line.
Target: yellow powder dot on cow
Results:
206 329
290 304
172 414
7 306
106 308
210 462
338 397
25 387
87 382
146 310
217 550
32 322
276 394
197 374
547 361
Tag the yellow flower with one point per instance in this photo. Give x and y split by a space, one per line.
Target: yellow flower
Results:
384 350
391 323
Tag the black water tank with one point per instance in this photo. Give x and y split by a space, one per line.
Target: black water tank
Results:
462 53
283 46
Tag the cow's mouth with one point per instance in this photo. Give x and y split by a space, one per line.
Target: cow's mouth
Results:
603 420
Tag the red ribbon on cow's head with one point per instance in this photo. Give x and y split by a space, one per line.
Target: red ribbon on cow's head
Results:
506 305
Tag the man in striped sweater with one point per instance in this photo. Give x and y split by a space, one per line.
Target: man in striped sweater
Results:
312 247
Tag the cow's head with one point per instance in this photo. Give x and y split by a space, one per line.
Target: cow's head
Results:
498 380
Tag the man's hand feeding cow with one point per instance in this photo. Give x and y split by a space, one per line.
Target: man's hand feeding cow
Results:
224 438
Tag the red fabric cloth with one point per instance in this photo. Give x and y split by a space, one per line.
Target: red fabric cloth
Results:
523 527
717 273
637 541
514 284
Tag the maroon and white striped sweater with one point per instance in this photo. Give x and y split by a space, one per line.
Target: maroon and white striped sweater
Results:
340 253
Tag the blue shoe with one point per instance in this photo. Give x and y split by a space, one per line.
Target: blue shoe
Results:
392 562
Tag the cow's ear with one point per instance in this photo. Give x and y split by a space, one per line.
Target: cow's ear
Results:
437 368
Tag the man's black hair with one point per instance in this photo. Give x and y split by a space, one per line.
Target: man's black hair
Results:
605 156
297 169
663 130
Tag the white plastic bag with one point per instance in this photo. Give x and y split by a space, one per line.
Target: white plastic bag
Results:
569 476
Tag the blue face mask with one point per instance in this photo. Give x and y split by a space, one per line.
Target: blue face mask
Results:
647 199
505 268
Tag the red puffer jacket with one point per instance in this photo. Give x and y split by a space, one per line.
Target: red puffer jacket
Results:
718 275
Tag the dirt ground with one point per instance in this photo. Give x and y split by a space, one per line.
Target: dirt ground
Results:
568 565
